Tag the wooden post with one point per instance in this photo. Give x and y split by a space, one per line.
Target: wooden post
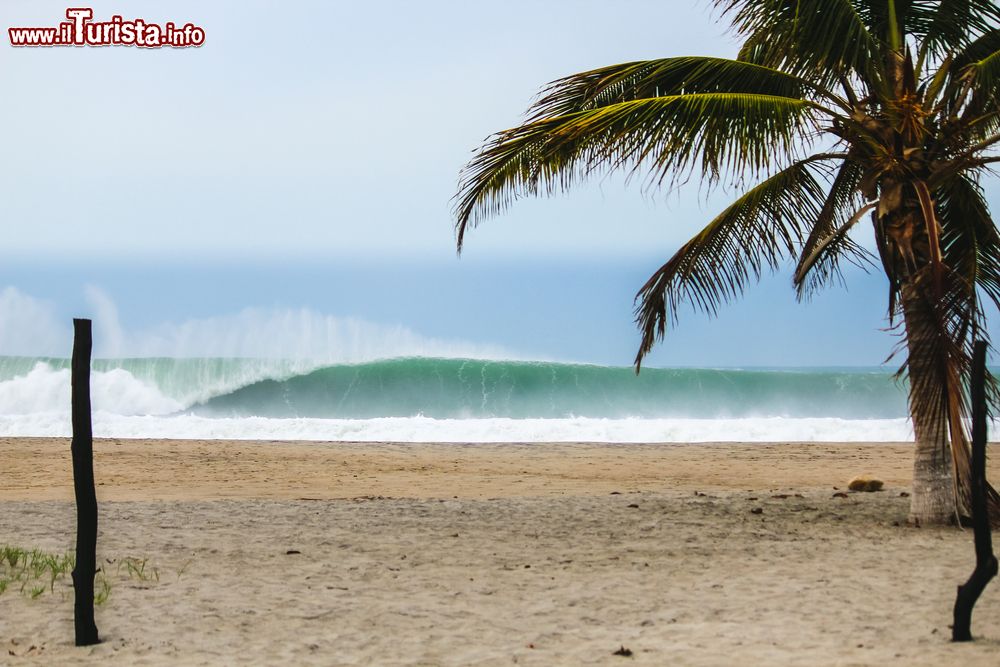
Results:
986 562
83 487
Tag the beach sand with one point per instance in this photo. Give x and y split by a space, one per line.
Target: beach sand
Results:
528 554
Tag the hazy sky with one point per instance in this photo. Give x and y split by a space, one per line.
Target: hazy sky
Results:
306 155
312 128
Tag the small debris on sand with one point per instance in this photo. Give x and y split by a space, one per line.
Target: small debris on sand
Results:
757 510
624 652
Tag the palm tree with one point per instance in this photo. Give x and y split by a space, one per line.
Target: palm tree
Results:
838 110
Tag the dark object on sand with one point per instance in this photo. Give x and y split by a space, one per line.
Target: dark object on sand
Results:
624 652
757 510
986 561
83 487
865 483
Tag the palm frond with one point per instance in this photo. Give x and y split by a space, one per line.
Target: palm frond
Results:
815 39
977 49
828 242
986 72
939 26
880 22
758 231
983 77
664 77
961 66
946 25
822 264
720 133
937 324
970 243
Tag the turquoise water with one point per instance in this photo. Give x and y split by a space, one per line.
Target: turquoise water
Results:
453 388
468 389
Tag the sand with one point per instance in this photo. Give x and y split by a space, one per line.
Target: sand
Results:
534 554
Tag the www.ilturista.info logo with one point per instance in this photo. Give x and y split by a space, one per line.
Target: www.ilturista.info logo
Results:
80 30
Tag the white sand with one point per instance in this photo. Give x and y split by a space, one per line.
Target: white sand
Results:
542 567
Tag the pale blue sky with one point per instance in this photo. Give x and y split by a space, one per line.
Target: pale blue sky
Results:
306 157
320 128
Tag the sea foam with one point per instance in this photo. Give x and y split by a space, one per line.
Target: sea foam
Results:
46 390
424 429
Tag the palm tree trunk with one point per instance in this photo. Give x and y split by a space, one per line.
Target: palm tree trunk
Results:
933 500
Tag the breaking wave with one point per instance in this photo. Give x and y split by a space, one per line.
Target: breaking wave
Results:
453 400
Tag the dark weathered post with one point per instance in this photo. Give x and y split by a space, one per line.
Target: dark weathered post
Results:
83 487
986 562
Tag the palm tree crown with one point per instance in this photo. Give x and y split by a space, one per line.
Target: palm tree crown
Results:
838 110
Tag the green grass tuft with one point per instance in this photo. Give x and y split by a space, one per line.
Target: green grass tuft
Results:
33 572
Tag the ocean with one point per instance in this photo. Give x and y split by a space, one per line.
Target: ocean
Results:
454 400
